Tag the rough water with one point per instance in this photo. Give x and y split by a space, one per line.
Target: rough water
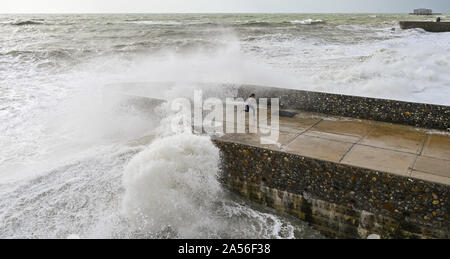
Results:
79 161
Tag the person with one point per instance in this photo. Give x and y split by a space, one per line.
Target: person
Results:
438 19
251 104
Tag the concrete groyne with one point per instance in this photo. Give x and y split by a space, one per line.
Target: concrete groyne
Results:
427 26
351 176
349 166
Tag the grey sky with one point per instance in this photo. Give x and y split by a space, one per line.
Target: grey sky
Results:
224 6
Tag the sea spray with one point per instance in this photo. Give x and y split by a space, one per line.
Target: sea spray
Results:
173 184
172 191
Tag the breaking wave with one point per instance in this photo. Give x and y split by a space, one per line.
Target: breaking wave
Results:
307 22
22 23
156 22
172 190
173 184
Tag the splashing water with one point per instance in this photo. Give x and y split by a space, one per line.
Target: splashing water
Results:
173 183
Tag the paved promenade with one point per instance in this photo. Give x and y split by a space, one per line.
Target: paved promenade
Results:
397 149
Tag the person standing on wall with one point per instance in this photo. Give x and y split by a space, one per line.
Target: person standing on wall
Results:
251 104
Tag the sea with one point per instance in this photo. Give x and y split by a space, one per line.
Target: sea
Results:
78 162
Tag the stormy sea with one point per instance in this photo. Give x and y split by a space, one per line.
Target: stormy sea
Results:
78 162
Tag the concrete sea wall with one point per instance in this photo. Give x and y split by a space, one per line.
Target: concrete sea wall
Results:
428 26
408 113
341 201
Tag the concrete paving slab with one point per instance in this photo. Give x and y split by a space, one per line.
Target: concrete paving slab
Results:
297 124
380 159
333 136
437 146
313 147
357 128
430 177
396 137
384 147
433 166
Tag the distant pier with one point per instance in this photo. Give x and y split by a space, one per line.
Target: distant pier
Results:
424 11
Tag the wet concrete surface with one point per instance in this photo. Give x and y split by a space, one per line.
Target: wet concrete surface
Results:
397 149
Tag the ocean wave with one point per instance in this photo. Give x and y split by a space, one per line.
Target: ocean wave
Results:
27 22
259 24
156 22
307 22
353 27
57 54
147 22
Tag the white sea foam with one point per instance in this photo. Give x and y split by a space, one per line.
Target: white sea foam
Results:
173 183
157 22
410 67
307 21
407 69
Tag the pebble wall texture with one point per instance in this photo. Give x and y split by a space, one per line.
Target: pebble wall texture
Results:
413 114
339 200
428 26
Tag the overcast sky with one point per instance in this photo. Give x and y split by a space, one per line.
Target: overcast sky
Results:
224 6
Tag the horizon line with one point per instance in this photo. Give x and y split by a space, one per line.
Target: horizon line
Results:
1 13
